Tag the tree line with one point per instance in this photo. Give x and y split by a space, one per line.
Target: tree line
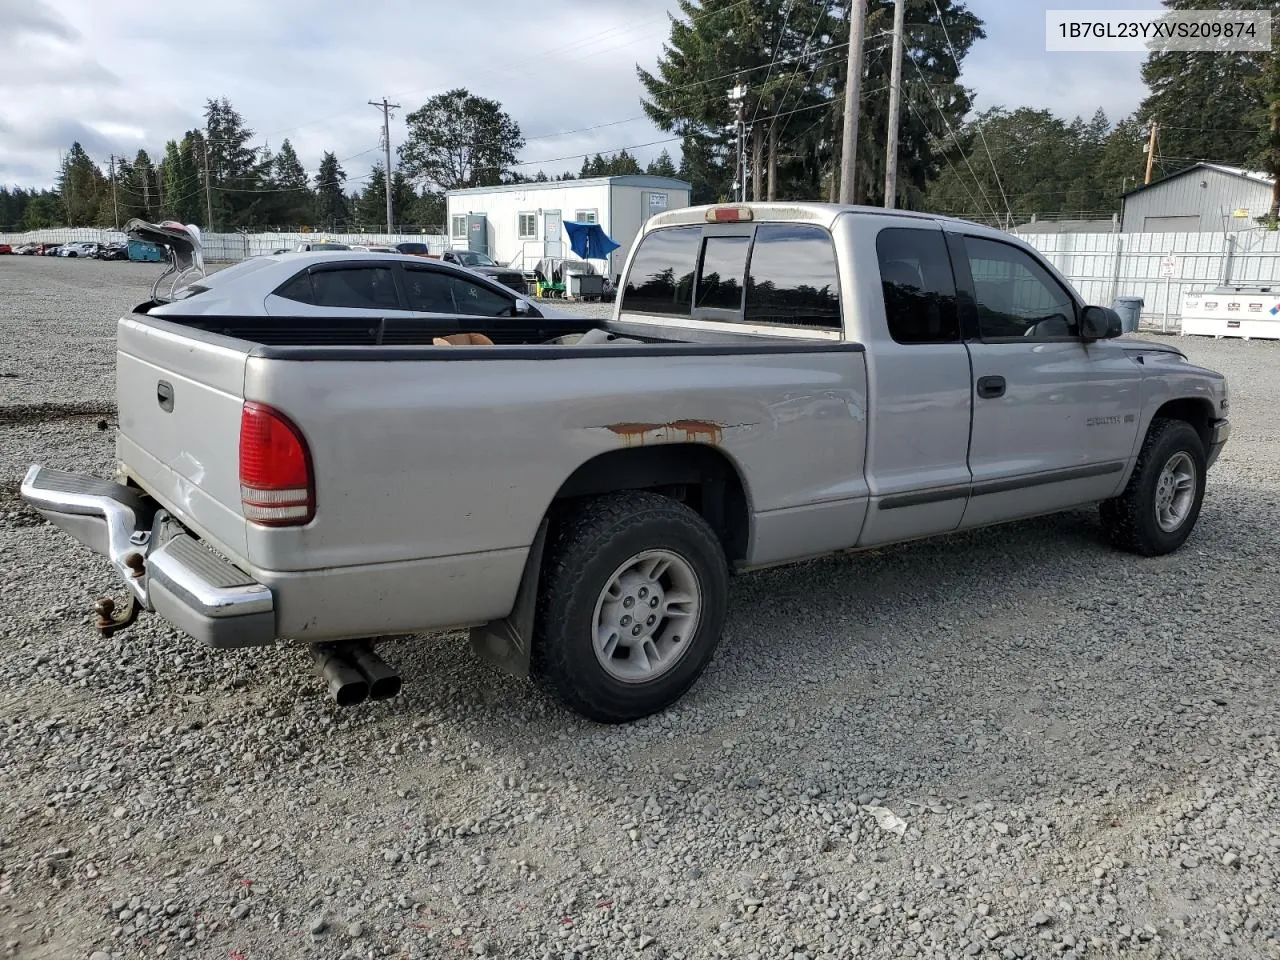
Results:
1002 164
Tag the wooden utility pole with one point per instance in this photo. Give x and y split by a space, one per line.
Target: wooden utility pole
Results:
773 163
895 108
1151 149
757 163
852 100
386 109
115 204
208 192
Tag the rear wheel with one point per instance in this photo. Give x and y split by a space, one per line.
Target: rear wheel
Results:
1158 509
631 604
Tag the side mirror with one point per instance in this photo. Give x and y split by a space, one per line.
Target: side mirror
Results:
522 308
1100 323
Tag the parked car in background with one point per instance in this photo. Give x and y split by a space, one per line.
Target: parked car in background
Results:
5 248
412 248
348 283
79 248
49 249
480 263
113 251
310 246
26 249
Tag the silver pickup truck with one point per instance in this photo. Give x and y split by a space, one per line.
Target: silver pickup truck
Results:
778 382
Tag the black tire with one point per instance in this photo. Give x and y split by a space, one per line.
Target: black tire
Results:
586 547
1129 520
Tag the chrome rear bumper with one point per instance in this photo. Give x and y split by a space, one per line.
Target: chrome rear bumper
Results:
166 570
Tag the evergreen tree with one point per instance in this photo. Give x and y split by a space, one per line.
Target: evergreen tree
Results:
239 177
404 199
1047 166
1209 104
180 186
80 185
791 59
662 166
370 208
294 204
45 209
331 198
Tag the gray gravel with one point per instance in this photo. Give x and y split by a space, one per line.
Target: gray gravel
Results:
1011 743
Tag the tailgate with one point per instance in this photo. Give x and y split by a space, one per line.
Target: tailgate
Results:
179 408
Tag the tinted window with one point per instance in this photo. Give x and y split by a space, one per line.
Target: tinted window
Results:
477 301
367 288
793 279
413 248
299 289
724 262
919 289
428 291
1016 296
661 276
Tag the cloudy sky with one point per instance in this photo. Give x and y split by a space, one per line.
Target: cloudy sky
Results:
118 77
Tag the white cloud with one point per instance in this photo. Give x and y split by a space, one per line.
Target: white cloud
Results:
120 77
306 71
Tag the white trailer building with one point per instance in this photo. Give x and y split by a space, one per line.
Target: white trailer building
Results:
520 224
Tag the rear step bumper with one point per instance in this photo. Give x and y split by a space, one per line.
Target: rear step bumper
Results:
166 570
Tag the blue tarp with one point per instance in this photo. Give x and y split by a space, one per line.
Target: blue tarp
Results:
588 241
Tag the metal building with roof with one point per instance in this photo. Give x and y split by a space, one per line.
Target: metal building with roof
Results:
1202 197
522 224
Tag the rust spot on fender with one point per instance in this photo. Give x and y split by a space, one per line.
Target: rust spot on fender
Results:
692 431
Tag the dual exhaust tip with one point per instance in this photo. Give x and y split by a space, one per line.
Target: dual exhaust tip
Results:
355 673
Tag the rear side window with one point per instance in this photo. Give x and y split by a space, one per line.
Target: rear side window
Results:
792 280
918 286
363 288
428 291
298 289
661 276
477 301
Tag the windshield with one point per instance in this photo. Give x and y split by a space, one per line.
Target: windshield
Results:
469 258
329 246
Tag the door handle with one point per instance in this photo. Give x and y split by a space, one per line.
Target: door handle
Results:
991 387
164 395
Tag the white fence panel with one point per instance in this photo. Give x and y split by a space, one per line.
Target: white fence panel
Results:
1104 266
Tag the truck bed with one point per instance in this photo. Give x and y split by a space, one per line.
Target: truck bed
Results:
432 476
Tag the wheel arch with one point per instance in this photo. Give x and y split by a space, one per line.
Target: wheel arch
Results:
698 474
1197 411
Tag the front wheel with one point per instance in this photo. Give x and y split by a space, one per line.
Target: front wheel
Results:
632 601
1158 508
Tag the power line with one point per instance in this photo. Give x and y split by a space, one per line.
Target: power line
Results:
955 58
951 130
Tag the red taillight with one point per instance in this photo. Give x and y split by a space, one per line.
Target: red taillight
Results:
277 488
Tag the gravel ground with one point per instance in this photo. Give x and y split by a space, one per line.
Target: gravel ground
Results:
1011 743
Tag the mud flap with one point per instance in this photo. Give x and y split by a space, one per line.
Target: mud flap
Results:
508 643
